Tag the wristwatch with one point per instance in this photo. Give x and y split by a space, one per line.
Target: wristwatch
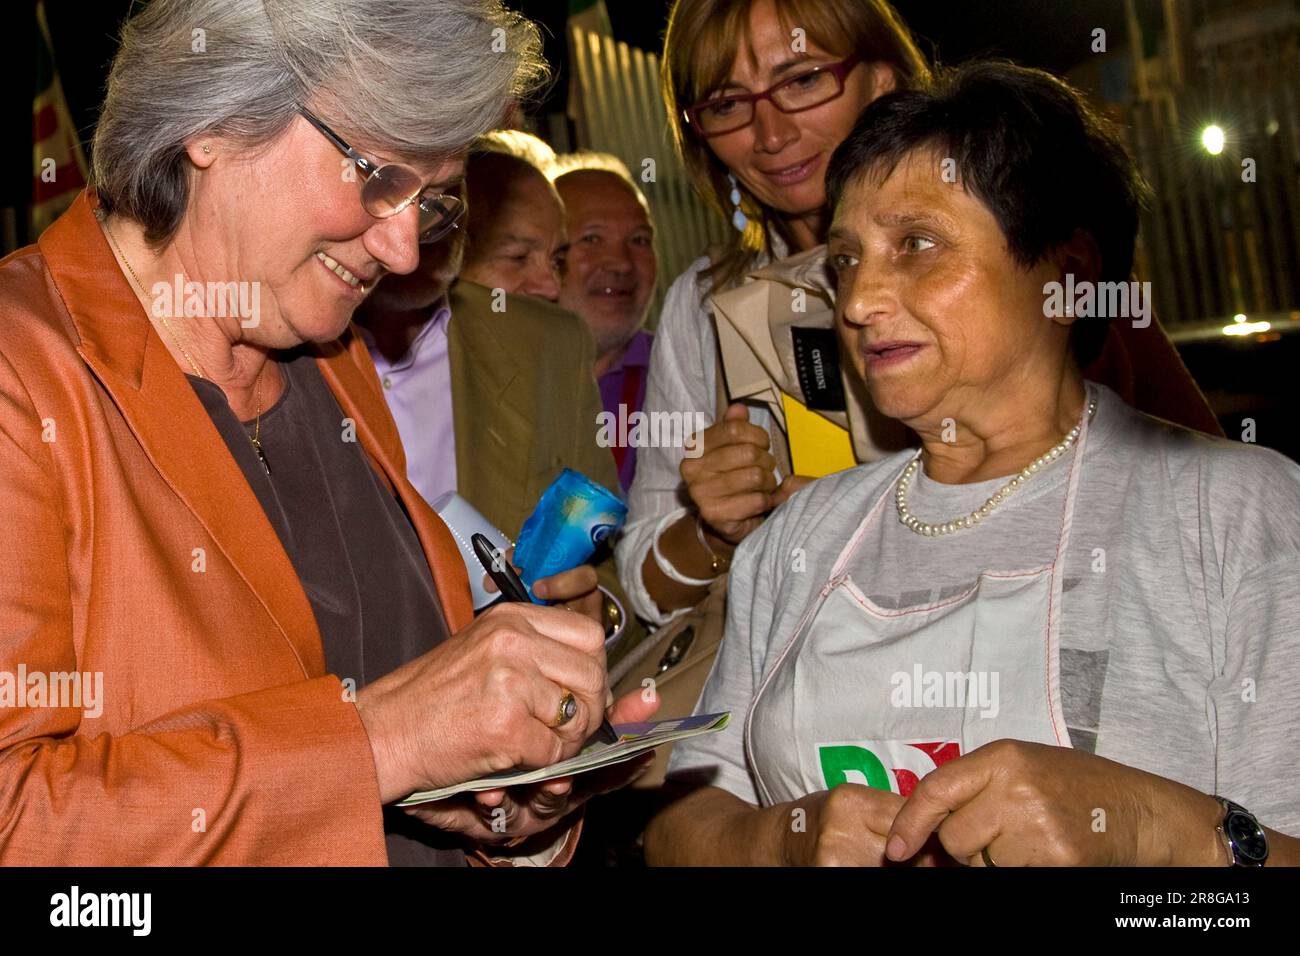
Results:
1243 836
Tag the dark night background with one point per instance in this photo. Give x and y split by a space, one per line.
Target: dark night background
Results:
1052 34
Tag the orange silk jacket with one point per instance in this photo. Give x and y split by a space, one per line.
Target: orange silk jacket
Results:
134 554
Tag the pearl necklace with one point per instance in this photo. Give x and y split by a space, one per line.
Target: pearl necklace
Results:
979 514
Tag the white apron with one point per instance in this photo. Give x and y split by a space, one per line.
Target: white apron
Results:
879 696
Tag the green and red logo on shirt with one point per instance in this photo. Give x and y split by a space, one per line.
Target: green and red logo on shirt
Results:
895 765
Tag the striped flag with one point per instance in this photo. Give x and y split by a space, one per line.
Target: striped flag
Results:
58 163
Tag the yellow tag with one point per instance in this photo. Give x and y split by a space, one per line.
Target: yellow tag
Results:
818 447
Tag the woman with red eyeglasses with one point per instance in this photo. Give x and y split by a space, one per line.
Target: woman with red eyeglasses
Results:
759 94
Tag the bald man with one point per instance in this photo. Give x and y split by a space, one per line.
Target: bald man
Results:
608 279
515 237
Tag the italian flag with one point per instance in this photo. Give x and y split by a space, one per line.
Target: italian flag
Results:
58 163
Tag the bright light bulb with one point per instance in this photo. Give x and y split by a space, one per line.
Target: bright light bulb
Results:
1212 139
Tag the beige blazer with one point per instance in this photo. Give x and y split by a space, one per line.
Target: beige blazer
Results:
525 406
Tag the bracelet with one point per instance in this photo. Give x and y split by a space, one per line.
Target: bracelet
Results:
669 571
719 565
615 616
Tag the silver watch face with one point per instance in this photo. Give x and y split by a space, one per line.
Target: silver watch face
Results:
1246 836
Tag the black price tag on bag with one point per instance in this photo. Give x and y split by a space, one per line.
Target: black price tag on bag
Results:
817 362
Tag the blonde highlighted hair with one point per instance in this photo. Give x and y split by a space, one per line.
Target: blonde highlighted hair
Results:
700 45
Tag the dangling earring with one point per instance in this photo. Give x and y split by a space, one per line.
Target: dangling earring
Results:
738 218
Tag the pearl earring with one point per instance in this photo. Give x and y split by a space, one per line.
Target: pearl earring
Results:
207 149
738 218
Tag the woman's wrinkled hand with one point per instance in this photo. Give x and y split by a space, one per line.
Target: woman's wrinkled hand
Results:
486 700
510 815
733 482
847 825
1037 805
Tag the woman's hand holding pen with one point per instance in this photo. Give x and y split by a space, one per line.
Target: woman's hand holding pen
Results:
510 669
508 816
487 699
505 577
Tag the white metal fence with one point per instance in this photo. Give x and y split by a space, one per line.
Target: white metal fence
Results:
620 111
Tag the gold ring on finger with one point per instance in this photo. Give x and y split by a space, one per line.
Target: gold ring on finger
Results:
567 710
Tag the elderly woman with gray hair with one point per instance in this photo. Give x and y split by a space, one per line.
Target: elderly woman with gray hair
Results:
231 632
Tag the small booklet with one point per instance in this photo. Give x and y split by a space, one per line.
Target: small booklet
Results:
632 740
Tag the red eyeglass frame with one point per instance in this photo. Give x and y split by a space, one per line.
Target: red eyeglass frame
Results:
839 70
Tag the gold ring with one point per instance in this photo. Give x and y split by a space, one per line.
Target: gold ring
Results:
568 708
988 860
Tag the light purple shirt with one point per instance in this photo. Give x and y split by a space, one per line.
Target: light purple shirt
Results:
629 375
418 389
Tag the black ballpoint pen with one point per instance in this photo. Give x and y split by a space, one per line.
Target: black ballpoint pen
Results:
512 589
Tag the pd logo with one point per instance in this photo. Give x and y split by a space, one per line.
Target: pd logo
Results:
895 765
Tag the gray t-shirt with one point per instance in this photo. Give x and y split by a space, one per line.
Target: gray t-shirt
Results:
1180 611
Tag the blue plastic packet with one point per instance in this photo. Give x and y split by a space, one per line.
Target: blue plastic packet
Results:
572 518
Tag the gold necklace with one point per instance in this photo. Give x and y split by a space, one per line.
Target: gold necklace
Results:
256 437
257 428
140 288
